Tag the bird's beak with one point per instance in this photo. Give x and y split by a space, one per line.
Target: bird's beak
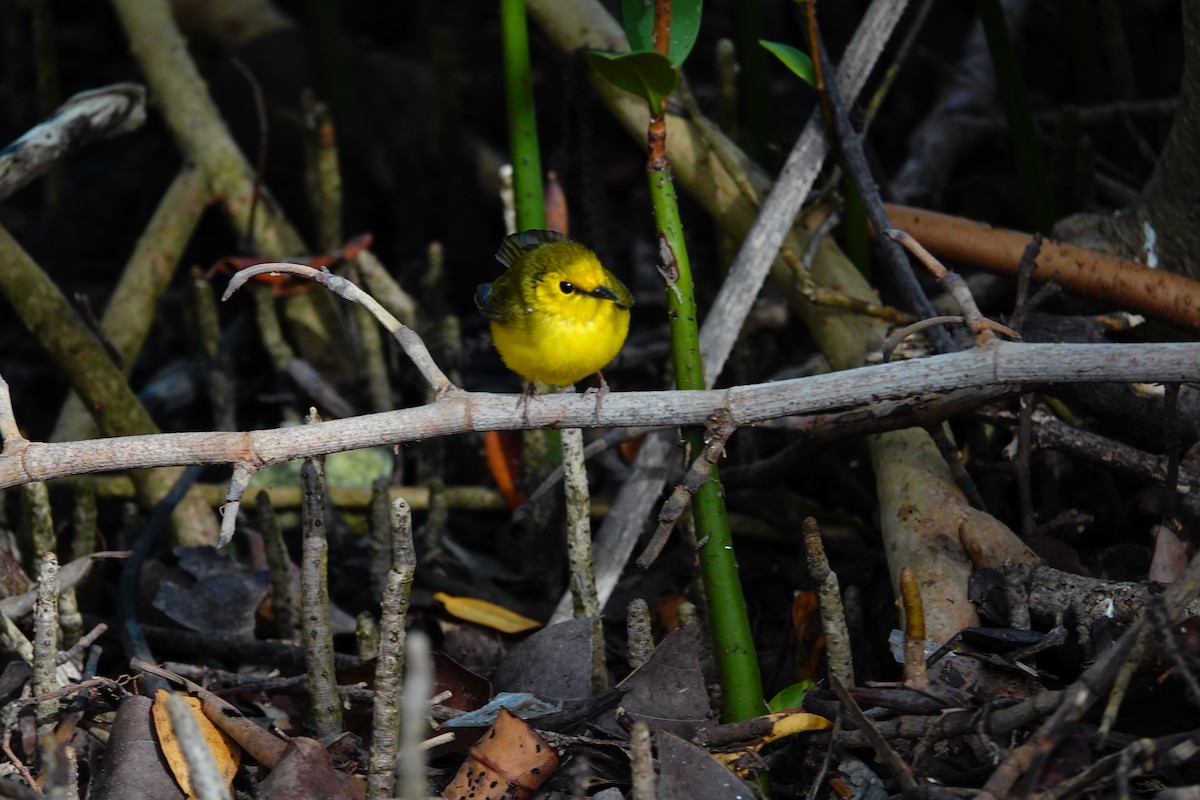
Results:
604 293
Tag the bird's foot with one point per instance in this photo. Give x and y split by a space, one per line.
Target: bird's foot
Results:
601 391
527 397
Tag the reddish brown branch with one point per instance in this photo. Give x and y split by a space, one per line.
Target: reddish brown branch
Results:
1128 284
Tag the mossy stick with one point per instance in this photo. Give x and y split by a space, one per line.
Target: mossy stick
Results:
379 541
586 600
45 641
197 125
316 627
83 519
639 641
279 567
77 351
389 667
217 368
130 311
833 616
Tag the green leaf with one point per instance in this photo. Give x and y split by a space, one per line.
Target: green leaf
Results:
638 17
795 60
647 75
791 697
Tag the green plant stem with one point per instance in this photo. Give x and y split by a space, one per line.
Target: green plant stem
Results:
522 122
1031 168
857 234
734 643
736 659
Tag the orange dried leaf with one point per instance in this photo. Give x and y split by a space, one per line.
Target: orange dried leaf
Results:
225 751
503 452
511 761
810 636
490 615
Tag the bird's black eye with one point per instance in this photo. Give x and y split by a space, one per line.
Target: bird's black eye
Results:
567 287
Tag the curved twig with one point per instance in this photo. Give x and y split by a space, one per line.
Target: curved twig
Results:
893 341
408 339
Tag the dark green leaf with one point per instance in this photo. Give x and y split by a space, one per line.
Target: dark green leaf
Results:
638 16
795 60
648 75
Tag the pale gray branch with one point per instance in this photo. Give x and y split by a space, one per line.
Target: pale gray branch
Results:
85 118
778 215
998 364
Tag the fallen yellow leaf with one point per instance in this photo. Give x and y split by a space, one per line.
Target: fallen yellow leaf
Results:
490 615
225 750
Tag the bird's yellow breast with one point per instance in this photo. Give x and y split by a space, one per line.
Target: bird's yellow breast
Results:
563 343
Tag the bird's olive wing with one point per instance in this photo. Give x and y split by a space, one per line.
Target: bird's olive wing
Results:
517 244
483 301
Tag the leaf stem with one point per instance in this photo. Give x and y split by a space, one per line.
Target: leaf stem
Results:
522 121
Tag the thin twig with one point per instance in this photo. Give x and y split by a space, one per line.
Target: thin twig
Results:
892 342
954 460
900 771
717 432
829 599
411 343
953 283
855 161
242 473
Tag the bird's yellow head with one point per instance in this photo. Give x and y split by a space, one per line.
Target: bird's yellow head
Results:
568 281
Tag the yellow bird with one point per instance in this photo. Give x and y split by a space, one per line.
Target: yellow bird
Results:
556 314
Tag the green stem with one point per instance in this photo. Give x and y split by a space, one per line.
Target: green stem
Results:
1031 168
522 122
858 237
734 644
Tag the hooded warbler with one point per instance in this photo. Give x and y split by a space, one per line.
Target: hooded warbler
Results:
556 314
